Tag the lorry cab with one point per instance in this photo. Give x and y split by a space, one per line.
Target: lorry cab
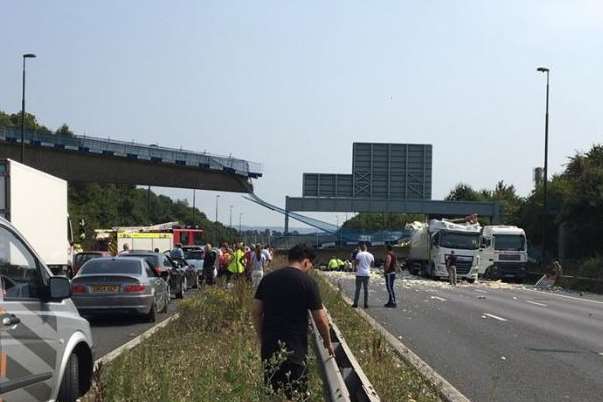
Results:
465 244
45 346
503 252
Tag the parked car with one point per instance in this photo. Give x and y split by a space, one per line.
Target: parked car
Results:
191 279
194 258
165 268
112 285
46 345
80 259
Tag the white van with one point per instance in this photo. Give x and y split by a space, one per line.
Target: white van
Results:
45 346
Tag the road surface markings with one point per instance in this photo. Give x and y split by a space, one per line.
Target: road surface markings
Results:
495 317
567 297
536 303
438 298
480 291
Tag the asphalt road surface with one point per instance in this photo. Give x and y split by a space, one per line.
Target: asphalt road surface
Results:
110 332
497 342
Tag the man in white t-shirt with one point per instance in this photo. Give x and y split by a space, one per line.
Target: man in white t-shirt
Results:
363 260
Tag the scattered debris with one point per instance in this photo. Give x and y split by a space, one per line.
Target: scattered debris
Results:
484 317
503 358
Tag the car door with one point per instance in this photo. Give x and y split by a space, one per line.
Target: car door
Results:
29 342
157 284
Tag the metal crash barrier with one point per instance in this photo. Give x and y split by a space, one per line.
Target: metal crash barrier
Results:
343 377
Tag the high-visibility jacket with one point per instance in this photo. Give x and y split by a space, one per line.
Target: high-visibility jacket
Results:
237 262
333 264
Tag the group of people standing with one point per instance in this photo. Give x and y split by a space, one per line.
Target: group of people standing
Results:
362 261
235 261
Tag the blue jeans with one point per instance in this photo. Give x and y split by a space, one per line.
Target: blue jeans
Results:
389 284
361 281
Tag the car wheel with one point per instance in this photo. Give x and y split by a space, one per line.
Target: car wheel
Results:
70 384
151 316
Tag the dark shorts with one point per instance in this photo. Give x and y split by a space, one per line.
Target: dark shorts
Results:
289 378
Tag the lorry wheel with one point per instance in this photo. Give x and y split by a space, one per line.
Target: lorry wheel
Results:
471 280
70 384
151 316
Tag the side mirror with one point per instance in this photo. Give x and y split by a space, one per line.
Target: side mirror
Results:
59 288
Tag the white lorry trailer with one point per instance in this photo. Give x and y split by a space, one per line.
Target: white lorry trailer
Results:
503 252
36 204
430 245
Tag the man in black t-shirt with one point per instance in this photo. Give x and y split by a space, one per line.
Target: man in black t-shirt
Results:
280 314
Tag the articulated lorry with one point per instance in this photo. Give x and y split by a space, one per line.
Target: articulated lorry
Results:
503 252
431 243
36 204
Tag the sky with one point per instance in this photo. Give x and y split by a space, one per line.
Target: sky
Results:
292 84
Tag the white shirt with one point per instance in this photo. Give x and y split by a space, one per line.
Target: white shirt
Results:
257 264
364 260
266 254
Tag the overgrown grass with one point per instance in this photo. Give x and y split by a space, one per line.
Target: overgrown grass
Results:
392 378
209 354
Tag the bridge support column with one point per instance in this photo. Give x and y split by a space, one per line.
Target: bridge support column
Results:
286 223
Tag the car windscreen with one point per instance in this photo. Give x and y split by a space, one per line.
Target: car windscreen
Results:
193 255
116 266
151 259
509 242
459 240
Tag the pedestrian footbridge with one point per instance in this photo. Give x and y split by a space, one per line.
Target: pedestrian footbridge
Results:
87 159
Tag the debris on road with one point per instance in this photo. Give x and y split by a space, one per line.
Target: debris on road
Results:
503 358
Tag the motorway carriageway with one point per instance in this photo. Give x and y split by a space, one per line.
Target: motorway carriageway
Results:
110 332
496 342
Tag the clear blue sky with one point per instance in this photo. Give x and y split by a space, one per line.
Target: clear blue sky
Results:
292 84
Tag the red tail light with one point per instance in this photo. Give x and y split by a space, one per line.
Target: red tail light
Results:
137 288
158 270
75 289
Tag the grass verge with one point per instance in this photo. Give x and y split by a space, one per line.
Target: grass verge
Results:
392 378
209 354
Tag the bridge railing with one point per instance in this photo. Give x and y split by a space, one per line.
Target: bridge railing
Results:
135 150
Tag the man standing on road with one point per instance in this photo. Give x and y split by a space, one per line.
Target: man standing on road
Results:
389 269
451 266
280 314
177 252
209 265
364 260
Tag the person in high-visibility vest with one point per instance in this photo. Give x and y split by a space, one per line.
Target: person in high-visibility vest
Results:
333 264
237 262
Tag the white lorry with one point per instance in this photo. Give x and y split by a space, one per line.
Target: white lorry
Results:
503 252
36 204
430 245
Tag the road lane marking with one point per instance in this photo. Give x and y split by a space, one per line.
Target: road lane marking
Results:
567 297
438 298
536 303
495 317
480 291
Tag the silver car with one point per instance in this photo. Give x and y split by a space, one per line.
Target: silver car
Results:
120 285
45 345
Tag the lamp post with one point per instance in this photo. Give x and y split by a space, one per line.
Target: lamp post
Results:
217 198
25 56
240 222
230 219
546 161
194 191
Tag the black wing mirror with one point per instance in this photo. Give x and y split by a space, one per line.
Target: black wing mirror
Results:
59 288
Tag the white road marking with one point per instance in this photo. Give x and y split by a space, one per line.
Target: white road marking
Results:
536 303
495 317
438 298
565 296
480 291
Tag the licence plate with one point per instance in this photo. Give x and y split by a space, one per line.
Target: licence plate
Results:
105 289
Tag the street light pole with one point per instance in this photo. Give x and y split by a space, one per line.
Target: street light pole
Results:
546 162
194 191
230 219
240 222
217 198
25 56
